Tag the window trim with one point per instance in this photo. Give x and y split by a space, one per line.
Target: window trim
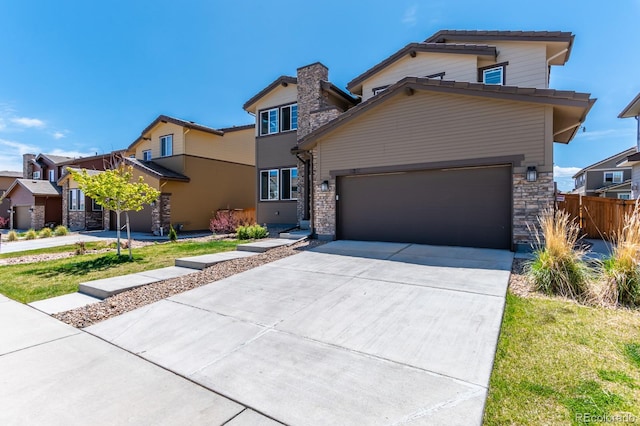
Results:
624 196
613 175
277 195
291 184
278 123
36 174
52 175
76 200
163 151
95 207
439 75
502 65
379 89
144 155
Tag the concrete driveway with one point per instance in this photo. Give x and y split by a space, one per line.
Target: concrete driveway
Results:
349 333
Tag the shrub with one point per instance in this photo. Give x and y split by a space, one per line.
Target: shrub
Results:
557 266
251 232
60 231
4 222
30 234
12 236
173 235
227 221
621 271
81 248
45 233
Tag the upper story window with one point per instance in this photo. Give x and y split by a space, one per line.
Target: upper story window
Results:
146 155
281 119
166 145
493 74
52 175
36 175
437 76
612 177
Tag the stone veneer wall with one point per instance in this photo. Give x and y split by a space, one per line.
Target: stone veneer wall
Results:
27 166
65 204
324 205
529 200
76 220
37 217
161 214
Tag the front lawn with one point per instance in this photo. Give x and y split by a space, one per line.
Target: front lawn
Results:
562 363
35 281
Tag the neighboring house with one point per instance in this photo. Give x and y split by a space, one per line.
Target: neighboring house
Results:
633 160
198 170
605 178
80 212
278 116
35 203
452 144
6 180
43 166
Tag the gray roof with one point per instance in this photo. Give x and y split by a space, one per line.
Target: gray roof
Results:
624 155
472 35
36 187
631 110
8 173
55 159
156 170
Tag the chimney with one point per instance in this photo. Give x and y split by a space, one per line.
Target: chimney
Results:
313 108
27 166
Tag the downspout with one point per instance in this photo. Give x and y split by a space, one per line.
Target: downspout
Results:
184 149
562 52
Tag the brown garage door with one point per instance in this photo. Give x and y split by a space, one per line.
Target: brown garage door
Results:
458 207
22 218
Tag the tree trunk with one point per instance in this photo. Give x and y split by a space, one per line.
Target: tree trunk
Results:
118 230
126 213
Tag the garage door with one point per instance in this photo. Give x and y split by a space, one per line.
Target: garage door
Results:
22 217
457 207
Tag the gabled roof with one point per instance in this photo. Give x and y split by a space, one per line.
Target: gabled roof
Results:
616 186
10 174
187 124
631 110
622 154
476 35
340 94
412 48
283 80
35 187
54 159
156 170
238 128
580 103
66 175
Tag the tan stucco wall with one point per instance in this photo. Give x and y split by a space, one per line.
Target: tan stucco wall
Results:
214 185
161 129
235 146
430 127
279 96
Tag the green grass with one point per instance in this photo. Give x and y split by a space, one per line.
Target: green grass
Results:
35 281
557 361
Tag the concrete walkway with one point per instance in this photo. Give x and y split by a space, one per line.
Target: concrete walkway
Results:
350 333
54 374
40 243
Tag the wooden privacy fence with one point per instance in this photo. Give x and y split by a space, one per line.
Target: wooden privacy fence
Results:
598 217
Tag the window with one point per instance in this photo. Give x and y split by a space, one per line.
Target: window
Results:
493 74
290 183
437 76
146 155
95 206
36 175
612 177
269 185
52 175
76 200
380 89
276 120
166 145
624 196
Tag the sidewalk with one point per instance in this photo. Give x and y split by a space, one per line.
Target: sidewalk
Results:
53 373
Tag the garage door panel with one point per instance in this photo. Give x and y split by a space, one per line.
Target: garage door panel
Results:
467 207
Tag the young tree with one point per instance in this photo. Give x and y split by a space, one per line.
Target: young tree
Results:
115 190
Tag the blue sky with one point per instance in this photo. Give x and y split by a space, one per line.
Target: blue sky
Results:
80 77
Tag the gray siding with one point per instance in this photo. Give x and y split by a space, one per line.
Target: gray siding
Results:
595 178
430 127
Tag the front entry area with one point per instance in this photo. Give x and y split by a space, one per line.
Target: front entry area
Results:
468 206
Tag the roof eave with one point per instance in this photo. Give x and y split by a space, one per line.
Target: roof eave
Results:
631 110
283 80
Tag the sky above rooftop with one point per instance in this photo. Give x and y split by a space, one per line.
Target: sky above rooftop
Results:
79 77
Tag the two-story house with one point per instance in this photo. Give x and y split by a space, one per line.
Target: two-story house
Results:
6 180
606 178
280 175
633 159
197 169
452 143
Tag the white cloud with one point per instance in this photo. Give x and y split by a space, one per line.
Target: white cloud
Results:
627 133
66 153
565 171
11 158
27 122
410 16
58 135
